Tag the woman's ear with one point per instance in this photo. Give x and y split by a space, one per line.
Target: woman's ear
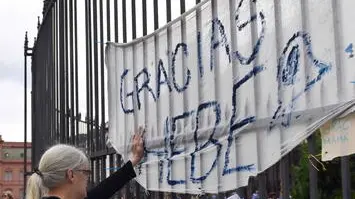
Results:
70 175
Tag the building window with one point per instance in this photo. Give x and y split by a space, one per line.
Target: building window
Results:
8 175
21 176
21 155
6 155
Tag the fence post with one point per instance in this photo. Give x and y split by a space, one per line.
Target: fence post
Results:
313 181
26 53
285 177
262 185
345 177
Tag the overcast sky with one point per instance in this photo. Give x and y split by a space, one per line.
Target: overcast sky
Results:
16 17
19 16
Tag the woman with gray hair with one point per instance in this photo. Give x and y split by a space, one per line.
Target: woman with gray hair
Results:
63 173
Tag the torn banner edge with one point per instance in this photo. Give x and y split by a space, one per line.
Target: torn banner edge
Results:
342 110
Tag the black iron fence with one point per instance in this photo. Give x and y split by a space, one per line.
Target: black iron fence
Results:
68 79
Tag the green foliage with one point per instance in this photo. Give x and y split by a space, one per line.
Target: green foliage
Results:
300 188
329 181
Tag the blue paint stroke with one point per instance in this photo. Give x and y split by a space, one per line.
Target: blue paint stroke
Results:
188 75
349 50
161 168
126 111
322 67
170 150
250 167
211 140
170 145
237 125
145 85
291 68
166 148
289 63
237 55
223 41
173 182
162 71
274 117
278 110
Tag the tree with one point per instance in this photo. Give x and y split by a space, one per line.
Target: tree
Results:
329 181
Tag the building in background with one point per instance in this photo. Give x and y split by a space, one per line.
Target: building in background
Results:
12 166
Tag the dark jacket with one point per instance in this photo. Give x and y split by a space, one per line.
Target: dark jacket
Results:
110 185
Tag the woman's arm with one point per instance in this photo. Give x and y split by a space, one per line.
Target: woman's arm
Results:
112 184
117 180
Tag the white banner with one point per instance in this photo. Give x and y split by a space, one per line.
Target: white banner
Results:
229 88
338 137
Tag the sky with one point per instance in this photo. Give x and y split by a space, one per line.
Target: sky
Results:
19 16
16 17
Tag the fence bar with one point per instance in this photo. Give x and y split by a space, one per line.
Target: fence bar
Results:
55 85
182 6
89 77
168 10
57 71
124 21
25 115
111 165
345 177
313 183
102 78
116 20
262 185
87 65
52 75
76 72
33 115
96 91
72 72
61 71
285 177
134 21
66 64
108 19
103 167
87 30
91 94
96 76
156 15
144 15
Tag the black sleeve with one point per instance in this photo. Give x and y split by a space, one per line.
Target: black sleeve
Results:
113 183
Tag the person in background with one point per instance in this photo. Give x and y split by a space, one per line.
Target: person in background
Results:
255 195
234 196
272 195
7 195
64 170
